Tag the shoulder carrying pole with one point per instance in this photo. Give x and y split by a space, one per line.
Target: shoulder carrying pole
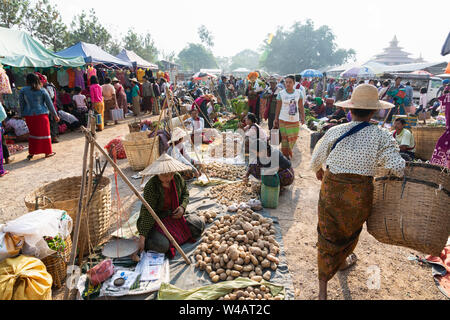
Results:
136 192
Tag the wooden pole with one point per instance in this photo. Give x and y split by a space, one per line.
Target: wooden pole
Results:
136 192
86 205
154 141
184 127
76 231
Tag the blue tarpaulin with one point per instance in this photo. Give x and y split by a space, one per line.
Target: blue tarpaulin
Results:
93 54
132 57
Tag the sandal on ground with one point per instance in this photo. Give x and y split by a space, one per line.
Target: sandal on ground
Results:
4 173
349 261
50 155
29 157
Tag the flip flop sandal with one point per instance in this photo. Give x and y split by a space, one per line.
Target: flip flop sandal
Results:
350 260
4 173
29 157
50 155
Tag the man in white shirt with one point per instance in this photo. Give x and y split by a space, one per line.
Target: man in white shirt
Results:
298 85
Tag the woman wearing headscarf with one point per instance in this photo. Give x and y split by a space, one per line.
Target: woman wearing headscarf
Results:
167 193
351 153
35 106
290 112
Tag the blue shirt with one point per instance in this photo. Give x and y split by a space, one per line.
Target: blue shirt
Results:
409 95
35 102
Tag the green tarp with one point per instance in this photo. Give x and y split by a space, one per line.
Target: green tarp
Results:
19 49
213 291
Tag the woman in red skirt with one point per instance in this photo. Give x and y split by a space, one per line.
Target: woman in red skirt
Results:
35 105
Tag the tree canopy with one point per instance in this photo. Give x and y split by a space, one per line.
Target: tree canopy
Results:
195 57
142 45
303 47
13 12
87 28
245 59
206 36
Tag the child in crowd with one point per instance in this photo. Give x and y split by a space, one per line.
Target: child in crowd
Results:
81 109
65 99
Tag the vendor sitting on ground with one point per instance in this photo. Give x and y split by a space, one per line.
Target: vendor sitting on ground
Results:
405 139
340 114
261 156
252 129
180 153
168 195
319 109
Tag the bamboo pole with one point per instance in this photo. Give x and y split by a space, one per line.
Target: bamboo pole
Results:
155 138
136 192
184 127
76 231
86 204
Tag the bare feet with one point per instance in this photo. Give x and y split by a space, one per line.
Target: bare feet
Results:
349 261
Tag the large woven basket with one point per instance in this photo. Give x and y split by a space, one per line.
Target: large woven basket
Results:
413 211
56 264
64 194
426 139
138 149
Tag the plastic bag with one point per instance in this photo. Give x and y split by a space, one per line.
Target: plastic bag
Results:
120 151
24 278
34 226
101 272
10 244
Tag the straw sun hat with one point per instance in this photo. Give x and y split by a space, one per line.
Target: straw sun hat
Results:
365 96
177 134
165 164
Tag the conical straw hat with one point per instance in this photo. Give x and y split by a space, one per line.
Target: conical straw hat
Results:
365 96
177 134
164 164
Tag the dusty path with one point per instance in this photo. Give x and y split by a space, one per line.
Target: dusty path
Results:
399 278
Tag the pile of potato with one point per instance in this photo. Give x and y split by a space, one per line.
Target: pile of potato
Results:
252 293
225 171
231 193
208 215
239 245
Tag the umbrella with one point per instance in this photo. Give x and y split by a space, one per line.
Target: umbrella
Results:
422 72
446 46
201 75
311 73
358 72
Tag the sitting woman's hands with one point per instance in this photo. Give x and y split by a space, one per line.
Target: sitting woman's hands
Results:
141 244
178 213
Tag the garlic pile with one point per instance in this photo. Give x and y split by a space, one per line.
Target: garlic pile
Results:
261 292
239 245
228 194
225 171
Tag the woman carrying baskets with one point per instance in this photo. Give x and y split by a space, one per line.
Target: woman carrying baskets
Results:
168 196
351 153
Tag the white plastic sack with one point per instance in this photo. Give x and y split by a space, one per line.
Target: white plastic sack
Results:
34 226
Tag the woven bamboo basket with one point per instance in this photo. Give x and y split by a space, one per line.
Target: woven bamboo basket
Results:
56 264
413 211
134 126
426 139
138 149
64 194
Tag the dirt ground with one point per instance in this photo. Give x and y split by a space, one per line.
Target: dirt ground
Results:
297 213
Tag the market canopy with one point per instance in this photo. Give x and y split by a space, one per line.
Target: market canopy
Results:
93 54
19 49
311 73
132 57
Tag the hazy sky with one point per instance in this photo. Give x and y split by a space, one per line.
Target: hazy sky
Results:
366 26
